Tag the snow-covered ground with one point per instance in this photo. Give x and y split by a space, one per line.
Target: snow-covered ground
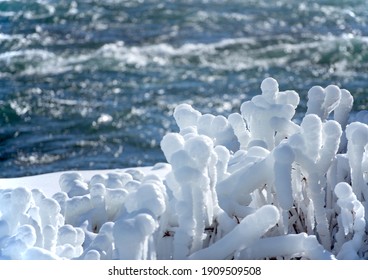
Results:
49 183
253 185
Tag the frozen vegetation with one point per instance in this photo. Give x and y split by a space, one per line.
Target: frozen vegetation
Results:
254 185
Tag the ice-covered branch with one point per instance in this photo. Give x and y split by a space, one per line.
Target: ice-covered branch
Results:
351 220
287 246
243 235
268 115
357 135
192 181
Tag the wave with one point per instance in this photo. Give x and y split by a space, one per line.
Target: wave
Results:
26 9
343 54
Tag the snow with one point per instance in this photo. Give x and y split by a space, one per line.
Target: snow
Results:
253 185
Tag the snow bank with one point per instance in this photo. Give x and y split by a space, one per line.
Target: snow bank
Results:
253 185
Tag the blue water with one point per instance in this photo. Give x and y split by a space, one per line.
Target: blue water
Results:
91 84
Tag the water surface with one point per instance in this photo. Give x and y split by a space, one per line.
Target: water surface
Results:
91 84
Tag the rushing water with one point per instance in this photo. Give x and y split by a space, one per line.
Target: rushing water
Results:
91 84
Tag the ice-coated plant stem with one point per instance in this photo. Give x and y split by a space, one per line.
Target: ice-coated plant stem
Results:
351 220
291 245
357 135
243 235
132 237
283 159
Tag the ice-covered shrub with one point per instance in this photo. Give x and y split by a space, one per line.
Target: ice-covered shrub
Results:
192 181
278 162
253 185
85 220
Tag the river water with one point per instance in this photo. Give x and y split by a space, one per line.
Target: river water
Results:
91 84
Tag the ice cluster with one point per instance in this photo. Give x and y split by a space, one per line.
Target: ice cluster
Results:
253 185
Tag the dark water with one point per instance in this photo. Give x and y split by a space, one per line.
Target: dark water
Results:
92 84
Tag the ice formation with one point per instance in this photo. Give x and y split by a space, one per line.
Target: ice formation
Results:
253 185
